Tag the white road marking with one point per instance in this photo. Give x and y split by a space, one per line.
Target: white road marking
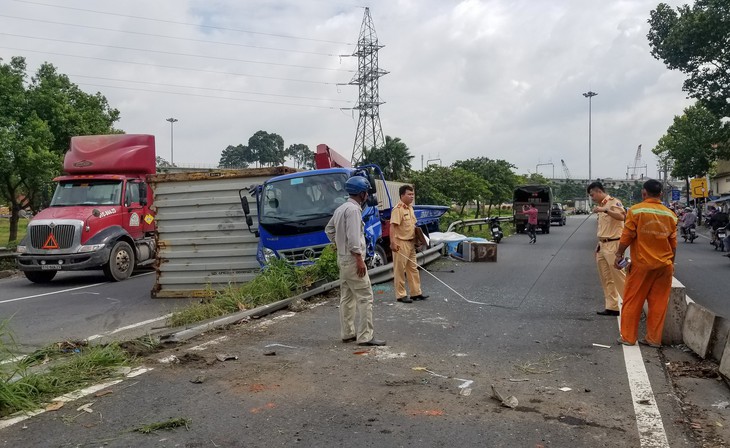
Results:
51 293
648 419
71 396
204 345
129 327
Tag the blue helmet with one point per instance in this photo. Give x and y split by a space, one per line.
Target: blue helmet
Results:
356 185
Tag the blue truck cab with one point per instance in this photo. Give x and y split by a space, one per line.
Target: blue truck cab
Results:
294 209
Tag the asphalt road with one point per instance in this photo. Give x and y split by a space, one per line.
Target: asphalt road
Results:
77 306
526 325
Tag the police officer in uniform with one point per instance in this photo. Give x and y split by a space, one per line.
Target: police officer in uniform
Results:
403 246
611 216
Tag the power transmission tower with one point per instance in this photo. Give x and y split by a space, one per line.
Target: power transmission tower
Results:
369 131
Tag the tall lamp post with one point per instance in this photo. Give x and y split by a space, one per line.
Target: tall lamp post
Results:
172 124
589 94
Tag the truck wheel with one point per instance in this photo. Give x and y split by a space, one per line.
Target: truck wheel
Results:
40 276
380 258
121 262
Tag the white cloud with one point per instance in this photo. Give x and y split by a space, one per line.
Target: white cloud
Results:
466 78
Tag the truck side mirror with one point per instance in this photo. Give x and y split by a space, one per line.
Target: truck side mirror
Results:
246 210
244 206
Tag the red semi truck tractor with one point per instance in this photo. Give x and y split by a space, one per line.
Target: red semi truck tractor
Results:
100 216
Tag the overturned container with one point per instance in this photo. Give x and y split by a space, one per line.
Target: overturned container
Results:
204 242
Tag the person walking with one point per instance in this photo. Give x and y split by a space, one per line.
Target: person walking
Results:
651 232
346 230
531 228
611 215
403 245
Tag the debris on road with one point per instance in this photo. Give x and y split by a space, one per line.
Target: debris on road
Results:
198 379
601 345
509 402
270 353
168 424
222 357
54 406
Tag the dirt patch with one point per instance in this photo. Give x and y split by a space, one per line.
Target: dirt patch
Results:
192 360
694 369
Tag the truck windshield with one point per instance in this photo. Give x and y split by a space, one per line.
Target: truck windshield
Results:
87 192
302 202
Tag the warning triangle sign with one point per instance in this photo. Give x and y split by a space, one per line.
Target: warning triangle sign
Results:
51 242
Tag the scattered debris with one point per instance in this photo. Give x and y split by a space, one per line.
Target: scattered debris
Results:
361 352
721 404
565 389
270 353
643 401
222 357
54 406
601 345
279 345
429 412
86 408
168 424
509 402
172 359
122 370
103 392
198 379
694 369
541 366
518 380
466 391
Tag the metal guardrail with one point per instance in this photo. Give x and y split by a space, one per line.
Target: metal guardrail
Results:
475 222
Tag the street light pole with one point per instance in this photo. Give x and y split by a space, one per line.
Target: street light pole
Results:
589 94
172 154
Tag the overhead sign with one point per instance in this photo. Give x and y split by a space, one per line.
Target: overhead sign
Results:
698 188
675 195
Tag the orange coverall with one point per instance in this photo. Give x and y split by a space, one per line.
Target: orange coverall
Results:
651 231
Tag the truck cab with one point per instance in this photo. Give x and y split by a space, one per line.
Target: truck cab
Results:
541 196
100 216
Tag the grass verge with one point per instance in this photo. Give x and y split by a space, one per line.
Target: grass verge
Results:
53 371
278 281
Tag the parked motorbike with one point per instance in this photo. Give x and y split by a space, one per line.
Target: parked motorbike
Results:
496 229
720 235
689 234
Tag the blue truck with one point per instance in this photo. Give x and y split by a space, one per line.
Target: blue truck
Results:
293 210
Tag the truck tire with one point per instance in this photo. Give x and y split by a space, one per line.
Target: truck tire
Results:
380 258
40 276
121 262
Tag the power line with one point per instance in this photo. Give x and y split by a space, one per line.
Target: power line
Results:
187 39
177 54
207 88
207 96
170 66
197 25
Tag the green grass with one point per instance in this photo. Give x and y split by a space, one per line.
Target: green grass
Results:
28 384
278 281
5 231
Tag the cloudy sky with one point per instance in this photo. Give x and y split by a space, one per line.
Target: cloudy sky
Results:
466 78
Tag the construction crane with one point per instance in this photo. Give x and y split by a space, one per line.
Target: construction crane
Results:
636 166
565 170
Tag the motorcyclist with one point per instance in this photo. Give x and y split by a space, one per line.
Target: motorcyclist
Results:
718 219
687 221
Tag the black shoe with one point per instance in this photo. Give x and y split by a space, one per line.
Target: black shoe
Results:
352 339
608 313
404 300
372 342
419 297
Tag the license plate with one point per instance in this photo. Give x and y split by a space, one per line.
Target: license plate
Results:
495 229
51 267
721 235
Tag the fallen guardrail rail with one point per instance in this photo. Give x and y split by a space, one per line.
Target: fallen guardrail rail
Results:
378 275
474 222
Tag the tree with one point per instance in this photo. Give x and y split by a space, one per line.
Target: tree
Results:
393 158
301 154
465 187
235 157
267 149
694 41
499 176
37 120
431 185
693 142
162 163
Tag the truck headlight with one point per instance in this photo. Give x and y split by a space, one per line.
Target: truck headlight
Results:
20 249
268 255
90 248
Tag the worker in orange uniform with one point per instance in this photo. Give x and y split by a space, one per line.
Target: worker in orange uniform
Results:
651 232
403 246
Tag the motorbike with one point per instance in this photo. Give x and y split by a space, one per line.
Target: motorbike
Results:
720 235
496 229
689 234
